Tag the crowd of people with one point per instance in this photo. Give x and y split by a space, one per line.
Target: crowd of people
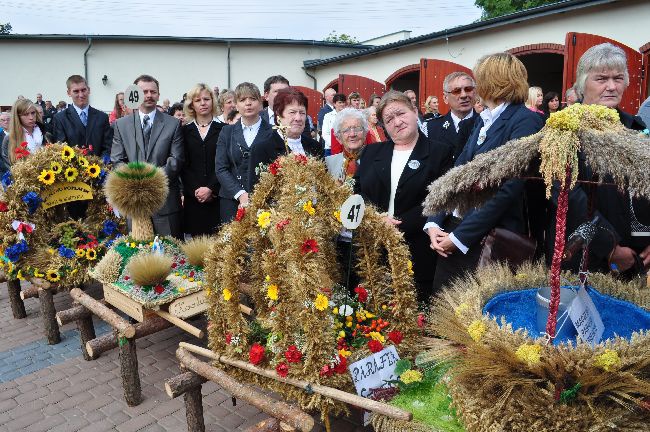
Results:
214 144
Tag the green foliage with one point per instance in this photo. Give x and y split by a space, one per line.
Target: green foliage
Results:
341 38
258 333
5 28
402 366
496 8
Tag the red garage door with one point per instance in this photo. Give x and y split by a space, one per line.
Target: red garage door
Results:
365 86
432 75
314 101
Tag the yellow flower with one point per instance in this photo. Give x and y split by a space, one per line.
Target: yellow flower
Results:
52 275
71 174
80 253
345 353
38 274
191 279
19 275
335 311
82 161
227 295
461 309
341 334
321 302
348 324
67 153
264 219
309 208
409 266
267 278
337 215
377 336
521 276
476 330
529 354
272 292
93 170
608 361
91 254
47 177
181 290
132 244
410 376
55 167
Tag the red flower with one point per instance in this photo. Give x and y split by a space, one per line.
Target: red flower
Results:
282 369
159 289
421 320
362 293
292 354
241 212
23 144
283 223
395 336
228 338
326 370
274 168
3 206
126 278
309 246
84 151
375 346
191 274
174 265
182 262
342 366
301 159
256 354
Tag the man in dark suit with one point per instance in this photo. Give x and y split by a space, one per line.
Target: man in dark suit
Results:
455 127
80 124
151 136
272 86
39 101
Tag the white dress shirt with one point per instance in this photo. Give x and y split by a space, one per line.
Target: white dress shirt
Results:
80 110
250 132
35 140
151 115
457 119
328 124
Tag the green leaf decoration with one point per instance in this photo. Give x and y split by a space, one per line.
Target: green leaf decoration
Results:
402 366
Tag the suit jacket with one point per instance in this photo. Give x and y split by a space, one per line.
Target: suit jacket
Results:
265 152
97 134
165 150
233 157
505 209
442 129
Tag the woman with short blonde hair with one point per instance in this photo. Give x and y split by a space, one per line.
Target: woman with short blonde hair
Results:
535 99
188 106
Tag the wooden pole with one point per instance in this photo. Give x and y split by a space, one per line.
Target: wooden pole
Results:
86 329
31 292
129 370
106 342
349 398
76 312
270 425
196 332
50 326
285 412
194 409
17 305
179 384
114 320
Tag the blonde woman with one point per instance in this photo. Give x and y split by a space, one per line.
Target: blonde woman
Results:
26 126
535 99
431 108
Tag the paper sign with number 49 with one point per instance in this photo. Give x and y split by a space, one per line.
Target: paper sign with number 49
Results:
352 212
133 96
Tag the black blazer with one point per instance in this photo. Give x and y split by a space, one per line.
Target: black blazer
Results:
199 169
98 133
265 152
233 155
372 179
442 129
505 209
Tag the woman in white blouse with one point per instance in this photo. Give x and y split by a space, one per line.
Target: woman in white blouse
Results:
26 127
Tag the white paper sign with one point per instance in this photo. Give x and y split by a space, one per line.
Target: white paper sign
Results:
585 318
373 371
133 96
352 212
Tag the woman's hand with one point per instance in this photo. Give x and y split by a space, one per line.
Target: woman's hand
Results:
440 242
623 258
391 220
243 200
203 194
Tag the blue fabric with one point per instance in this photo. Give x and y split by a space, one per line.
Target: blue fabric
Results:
520 308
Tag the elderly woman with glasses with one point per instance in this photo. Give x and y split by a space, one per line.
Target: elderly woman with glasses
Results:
350 128
394 175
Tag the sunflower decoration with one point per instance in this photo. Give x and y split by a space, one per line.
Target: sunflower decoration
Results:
40 191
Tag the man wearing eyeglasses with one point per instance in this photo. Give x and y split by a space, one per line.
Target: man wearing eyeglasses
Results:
455 127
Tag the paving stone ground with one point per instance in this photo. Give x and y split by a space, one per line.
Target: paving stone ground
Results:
52 388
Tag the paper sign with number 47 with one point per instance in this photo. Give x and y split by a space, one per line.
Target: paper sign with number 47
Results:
352 212
133 96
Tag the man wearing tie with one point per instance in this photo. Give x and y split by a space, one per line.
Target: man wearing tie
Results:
80 124
151 136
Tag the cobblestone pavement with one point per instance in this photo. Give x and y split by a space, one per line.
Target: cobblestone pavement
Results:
52 388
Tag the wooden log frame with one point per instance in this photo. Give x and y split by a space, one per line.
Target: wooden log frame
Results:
97 346
349 398
123 327
48 312
129 369
31 292
286 413
17 305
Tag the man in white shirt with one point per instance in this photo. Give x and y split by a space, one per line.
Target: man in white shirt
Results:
328 107
328 121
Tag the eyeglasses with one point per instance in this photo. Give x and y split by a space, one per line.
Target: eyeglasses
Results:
459 90
353 130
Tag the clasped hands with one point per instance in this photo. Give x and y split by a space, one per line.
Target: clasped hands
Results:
203 194
440 242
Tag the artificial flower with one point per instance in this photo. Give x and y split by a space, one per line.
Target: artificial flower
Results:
55 167
281 224
342 365
227 295
22 151
302 159
293 354
375 346
47 177
3 206
241 212
409 266
91 254
476 330
309 246
66 252
256 354
374 335
321 302
422 320
309 208
71 174
6 179
159 289
529 354
608 361
80 253
345 353
282 369
410 376
83 162
362 293
337 215
93 170
461 309
52 275
33 201
395 337
109 227
228 335
67 154
272 292
274 168
264 219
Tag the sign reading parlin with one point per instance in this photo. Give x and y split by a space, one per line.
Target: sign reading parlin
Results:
61 193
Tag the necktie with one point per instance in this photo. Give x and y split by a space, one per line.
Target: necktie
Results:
146 131
84 118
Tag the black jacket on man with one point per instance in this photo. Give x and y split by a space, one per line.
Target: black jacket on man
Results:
442 129
96 136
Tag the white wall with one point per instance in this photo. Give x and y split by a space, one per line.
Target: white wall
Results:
626 22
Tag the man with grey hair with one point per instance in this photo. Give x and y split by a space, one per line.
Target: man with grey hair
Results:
5 119
350 128
570 96
454 127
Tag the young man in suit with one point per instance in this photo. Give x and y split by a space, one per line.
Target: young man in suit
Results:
272 86
454 127
150 136
80 124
